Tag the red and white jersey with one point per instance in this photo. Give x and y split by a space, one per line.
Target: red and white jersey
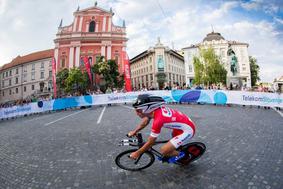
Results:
171 119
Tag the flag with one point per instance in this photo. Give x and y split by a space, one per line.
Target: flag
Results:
54 77
127 74
87 66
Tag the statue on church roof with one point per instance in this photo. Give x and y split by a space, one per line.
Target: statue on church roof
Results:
61 23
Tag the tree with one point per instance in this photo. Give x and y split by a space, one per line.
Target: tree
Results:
77 81
61 77
254 68
199 70
208 69
109 71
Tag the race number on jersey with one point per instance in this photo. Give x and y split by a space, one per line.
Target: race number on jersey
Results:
166 112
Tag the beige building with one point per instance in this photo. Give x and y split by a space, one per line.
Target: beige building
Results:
156 60
233 55
278 84
27 76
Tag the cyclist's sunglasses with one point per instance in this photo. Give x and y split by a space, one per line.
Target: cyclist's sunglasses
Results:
138 110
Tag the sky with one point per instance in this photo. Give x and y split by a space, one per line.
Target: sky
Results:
28 26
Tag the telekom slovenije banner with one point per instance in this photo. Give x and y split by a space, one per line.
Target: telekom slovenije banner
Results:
87 66
127 73
185 96
54 77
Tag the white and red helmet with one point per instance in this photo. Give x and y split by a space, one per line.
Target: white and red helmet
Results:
148 103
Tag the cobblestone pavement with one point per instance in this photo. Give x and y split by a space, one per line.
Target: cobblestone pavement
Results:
69 149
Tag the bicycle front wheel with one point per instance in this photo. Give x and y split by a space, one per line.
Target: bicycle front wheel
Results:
124 161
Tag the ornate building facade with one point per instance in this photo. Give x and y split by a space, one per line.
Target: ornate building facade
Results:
233 55
278 84
159 59
91 34
27 76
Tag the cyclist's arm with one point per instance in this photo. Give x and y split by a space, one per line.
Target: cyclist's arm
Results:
143 124
150 141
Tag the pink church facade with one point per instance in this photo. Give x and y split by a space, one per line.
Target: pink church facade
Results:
91 34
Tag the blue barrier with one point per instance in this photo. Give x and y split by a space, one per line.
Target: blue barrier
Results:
183 96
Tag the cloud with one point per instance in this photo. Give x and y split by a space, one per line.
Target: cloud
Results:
2 6
251 5
263 45
270 7
30 26
221 11
18 24
280 21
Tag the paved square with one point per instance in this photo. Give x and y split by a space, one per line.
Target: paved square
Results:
244 150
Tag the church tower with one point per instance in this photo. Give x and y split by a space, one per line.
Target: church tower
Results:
91 34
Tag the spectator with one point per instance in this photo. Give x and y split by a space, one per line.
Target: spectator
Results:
108 90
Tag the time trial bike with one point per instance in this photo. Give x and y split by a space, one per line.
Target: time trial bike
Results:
193 151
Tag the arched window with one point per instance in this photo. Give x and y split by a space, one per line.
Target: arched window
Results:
91 26
90 60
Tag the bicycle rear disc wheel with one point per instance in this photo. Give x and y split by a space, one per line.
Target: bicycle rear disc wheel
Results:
193 152
125 162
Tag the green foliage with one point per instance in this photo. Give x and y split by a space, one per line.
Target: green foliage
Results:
199 70
61 77
208 69
77 81
254 70
109 71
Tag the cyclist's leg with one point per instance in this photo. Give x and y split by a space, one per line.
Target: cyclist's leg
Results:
181 139
169 150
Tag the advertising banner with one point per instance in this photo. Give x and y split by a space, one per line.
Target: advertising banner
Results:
184 96
88 69
127 72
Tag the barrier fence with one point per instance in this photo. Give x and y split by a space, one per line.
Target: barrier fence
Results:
186 96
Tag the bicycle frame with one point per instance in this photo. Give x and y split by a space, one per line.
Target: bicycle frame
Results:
195 150
138 142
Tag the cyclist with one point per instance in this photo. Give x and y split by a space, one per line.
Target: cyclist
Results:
150 107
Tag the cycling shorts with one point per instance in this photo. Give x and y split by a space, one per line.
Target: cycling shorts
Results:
183 138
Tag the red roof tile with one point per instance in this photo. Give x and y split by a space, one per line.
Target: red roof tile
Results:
29 58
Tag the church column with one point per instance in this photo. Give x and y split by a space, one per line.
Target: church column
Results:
87 28
109 24
96 26
56 57
75 24
109 52
78 56
103 50
81 24
71 58
104 24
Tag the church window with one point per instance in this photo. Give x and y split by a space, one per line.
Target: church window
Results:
62 62
91 26
90 60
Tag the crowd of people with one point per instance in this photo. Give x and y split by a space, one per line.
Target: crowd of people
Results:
109 90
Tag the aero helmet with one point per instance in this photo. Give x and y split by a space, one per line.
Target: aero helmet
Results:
148 103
